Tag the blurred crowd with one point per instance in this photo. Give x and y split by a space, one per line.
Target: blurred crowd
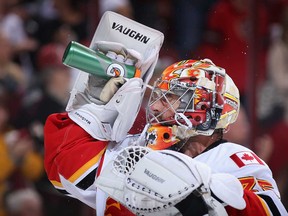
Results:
247 38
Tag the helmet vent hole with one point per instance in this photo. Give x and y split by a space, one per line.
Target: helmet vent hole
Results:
203 107
166 135
193 78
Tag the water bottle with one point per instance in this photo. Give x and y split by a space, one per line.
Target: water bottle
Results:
94 62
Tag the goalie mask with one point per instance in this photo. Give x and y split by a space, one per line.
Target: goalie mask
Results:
191 98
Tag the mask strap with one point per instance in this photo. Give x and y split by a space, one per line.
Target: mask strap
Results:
187 121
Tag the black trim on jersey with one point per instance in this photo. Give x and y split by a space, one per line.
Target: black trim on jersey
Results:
273 208
88 180
215 144
62 191
215 197
84 183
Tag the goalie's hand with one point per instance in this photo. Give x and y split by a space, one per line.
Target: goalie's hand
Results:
111 88
98 89
153 181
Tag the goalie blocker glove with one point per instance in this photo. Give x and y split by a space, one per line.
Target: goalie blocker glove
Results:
110 121
102 110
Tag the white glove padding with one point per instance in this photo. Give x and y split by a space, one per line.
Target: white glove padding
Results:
113 120
149 181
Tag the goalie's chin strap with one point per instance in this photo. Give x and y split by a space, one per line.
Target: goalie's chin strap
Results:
216 143
178 146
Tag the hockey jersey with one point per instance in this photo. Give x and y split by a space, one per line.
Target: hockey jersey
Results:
260 190
73 159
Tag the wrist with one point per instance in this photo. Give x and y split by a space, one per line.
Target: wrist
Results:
195 203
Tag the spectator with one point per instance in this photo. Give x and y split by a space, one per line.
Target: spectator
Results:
239 132
51 53
24 202
119 6
273 94
53 90
50 95
227 39
12 77
12 24
10 70
69 13
189 19
18 157
273 105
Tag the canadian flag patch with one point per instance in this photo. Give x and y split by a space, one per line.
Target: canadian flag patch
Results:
246 158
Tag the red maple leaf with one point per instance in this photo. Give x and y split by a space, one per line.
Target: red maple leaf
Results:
247 157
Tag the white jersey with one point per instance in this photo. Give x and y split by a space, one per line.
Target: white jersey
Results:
74 174
252 172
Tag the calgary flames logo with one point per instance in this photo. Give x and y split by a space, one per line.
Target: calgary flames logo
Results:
160 137
184 69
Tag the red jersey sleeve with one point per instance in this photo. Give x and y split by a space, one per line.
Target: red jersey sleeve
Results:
255 205
70 152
